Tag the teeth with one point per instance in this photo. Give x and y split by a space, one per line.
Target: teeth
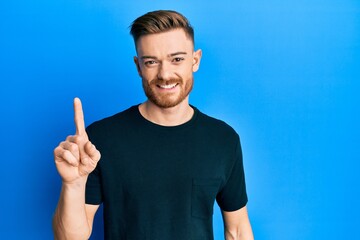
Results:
168 86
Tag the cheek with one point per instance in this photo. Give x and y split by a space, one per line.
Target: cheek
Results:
191 66
186 70
147 74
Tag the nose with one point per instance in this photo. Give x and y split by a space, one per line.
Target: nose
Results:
164 72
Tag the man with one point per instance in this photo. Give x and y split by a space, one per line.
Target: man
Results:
163 162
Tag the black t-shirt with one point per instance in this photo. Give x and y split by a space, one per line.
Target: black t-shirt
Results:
158 182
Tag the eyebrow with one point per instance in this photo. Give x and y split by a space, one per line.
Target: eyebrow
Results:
177 53
169 55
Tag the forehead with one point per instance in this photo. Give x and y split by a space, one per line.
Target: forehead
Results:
164 43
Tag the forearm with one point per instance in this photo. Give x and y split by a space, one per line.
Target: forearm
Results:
70 220
237 225
239 235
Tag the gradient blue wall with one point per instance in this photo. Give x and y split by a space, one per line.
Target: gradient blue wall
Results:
284 74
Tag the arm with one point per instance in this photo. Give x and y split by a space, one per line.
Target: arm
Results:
237 225
73 218
75 159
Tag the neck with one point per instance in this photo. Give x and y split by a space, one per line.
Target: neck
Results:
173 116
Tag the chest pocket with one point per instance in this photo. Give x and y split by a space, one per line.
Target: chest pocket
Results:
203 195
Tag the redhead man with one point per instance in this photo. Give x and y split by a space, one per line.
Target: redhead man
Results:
163 162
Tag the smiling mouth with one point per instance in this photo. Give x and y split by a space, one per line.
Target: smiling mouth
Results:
169 86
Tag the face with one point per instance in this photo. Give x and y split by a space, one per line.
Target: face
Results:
166 62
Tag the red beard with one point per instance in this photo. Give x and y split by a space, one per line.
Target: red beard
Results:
167 100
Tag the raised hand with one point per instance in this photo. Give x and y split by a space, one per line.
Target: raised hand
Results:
76 157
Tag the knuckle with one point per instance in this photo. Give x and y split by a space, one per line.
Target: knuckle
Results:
64 154
69 138
78 139
61 145
56 150
73 147
98 156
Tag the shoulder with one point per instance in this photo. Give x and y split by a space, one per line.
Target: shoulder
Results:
215 124
116 122
217 127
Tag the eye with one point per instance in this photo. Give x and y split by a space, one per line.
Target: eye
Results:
178 59
150 62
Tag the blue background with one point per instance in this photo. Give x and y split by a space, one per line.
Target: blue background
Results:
284 74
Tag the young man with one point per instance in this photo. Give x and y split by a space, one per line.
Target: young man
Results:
163 162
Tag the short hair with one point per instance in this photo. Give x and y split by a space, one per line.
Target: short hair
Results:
158 22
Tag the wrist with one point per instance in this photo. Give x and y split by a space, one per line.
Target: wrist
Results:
76 185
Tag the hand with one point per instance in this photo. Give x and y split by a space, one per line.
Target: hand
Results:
76 157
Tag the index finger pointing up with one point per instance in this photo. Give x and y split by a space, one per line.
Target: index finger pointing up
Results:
79 117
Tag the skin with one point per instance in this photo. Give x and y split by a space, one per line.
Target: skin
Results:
167 57
237 225
75 158
166 63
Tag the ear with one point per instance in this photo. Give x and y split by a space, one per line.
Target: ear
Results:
196 60
136 61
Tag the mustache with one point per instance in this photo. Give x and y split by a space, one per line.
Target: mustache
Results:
158 81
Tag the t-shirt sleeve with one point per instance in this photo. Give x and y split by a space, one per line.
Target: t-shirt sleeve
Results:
93 191
93 188
232 195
